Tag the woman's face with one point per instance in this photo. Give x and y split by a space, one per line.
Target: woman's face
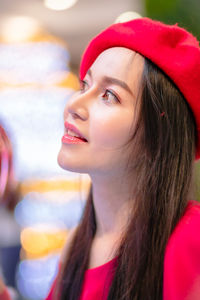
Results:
103 112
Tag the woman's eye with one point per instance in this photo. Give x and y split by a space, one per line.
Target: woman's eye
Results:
83 85
110 97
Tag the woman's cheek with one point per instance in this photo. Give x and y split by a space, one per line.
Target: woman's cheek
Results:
110 133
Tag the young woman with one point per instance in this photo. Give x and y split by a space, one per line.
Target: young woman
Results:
134 127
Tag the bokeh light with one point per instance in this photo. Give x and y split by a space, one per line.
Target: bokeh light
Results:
19 29
127 16
59 4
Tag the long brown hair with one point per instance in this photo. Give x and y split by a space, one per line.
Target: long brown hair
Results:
166 131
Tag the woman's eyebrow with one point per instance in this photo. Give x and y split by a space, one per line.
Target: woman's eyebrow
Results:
112 80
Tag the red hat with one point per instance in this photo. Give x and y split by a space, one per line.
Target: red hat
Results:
171 48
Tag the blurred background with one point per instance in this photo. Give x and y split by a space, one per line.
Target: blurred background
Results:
41 42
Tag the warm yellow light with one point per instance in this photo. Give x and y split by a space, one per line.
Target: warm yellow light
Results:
42 186
38 242
127 16
59 4
19 29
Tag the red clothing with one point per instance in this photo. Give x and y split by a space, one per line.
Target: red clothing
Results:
96 283
181 264
5 295
182 258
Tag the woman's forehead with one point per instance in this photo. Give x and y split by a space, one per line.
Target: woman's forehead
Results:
118 62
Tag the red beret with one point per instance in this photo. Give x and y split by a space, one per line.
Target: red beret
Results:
171 48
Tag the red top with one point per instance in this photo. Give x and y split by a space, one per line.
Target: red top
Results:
181 264
97 282
182 258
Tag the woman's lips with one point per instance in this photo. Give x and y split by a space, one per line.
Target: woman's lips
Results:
70 131
68 139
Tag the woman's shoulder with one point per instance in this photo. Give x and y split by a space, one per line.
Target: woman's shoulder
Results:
191 214
182 257
189 224
188 227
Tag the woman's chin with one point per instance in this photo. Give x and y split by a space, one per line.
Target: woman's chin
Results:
69 164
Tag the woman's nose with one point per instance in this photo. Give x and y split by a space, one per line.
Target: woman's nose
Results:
77 107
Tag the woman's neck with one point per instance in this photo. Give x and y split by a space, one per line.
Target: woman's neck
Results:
112 205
